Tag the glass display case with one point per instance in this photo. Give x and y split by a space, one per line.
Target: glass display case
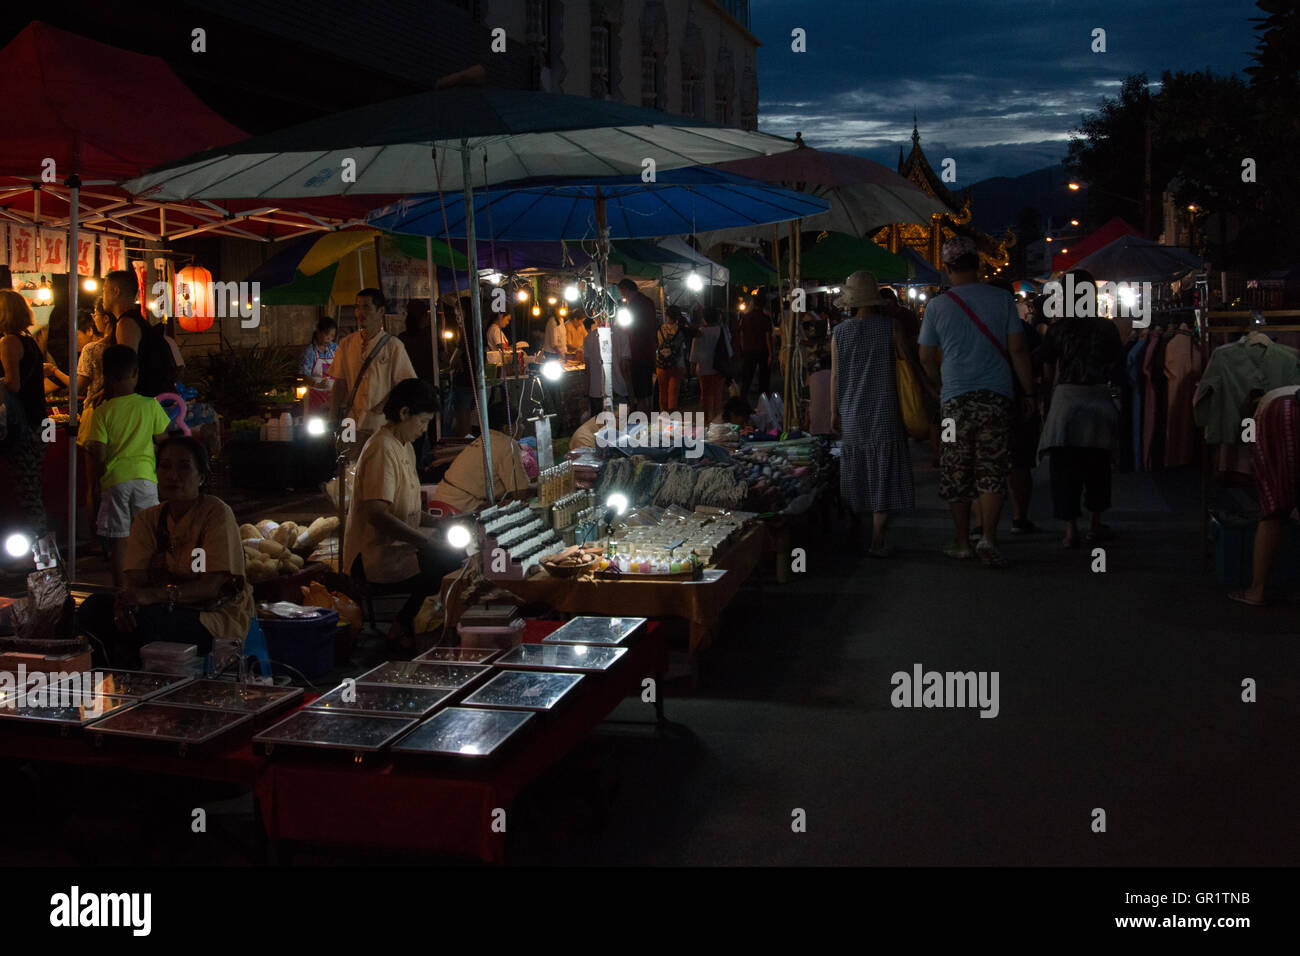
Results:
594 630
228 695
464 732
386 699
151 720
586 658
76 711
524 690
330 730
122 683
462 655
436 674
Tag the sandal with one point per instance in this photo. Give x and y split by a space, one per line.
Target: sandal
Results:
1241 598
991 556
959 554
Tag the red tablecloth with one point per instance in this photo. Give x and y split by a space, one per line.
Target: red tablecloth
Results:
438 811
380 805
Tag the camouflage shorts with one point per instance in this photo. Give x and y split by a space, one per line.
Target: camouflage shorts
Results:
977 461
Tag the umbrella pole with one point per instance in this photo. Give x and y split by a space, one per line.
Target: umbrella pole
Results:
602 259
476 313
435 338
74 182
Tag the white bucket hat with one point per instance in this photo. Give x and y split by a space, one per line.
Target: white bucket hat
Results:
860 289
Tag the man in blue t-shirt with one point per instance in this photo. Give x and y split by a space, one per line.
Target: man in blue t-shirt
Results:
971 338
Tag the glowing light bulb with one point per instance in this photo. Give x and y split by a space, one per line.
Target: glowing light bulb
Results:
552 371
44 295
522 295
448 334
563 311
570 293
90 285
911 293
617 501
551 300
694 282
537 310
624 317
315 426
18 544
458 536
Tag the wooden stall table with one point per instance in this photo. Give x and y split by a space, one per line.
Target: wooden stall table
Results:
439 811
700 603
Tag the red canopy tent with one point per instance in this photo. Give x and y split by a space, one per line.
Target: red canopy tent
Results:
1104 236
104 115
85 116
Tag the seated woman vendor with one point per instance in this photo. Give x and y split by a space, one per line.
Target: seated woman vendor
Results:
464 486
165 597
390 540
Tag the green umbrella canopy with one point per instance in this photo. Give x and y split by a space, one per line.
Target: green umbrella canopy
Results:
839 255
745 270
644 259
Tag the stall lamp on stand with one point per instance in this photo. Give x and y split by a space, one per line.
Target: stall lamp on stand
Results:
459 536
615 505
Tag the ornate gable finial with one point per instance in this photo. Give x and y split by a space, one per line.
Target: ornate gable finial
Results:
916 133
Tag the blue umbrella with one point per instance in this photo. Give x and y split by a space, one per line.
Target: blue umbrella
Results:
923 272
680 202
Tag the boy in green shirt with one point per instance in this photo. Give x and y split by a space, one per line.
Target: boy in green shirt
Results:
122 436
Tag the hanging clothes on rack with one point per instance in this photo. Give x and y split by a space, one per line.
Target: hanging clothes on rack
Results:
1183 366
1156 407
1252 363
1137 387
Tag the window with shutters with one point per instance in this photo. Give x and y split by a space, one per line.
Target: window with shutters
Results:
649 80
600 60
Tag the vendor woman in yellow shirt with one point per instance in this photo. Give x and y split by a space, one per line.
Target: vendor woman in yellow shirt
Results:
464 486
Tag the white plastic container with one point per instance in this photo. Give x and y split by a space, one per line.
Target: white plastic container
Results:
166 657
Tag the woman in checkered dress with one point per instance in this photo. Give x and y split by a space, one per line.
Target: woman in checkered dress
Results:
875 466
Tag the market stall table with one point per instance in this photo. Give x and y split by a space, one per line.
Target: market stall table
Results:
406 806
700 603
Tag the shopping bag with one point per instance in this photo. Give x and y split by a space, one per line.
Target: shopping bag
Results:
910 401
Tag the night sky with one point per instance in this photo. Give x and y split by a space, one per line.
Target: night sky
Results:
998 87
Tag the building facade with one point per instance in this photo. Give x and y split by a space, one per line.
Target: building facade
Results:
693 57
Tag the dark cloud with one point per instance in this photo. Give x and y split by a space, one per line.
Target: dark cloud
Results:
996 84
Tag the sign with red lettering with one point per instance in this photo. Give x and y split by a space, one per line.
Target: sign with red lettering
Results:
112 254
85 255
22 248
54 250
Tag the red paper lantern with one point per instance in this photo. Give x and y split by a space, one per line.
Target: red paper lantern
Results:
194 306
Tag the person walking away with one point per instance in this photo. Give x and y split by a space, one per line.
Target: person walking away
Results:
620 368
122 439
317 358
24 380
367 365
875 467
670 359
157 361
1025 432
643 335
418 340
710 355
970 342
1082 425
